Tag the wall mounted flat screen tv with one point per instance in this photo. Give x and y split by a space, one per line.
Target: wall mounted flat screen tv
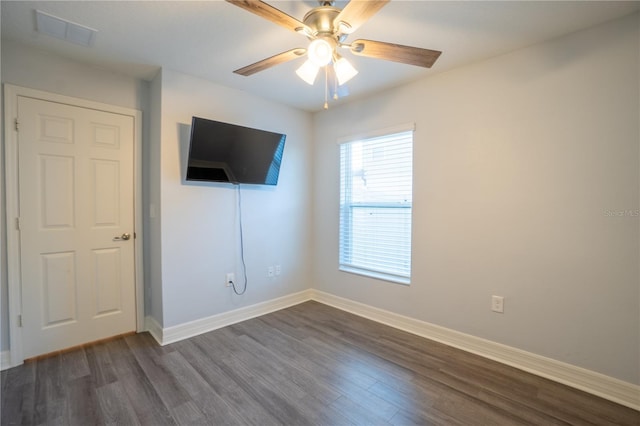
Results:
223 152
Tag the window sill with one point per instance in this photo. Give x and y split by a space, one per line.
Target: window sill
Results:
376 275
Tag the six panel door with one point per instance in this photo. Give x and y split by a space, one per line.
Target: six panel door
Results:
76 225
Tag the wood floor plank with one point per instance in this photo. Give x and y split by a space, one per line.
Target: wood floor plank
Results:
250 411
572 405
278 397
361 360
18 394
404 398
88 411
214 408
524 412
188 414
434 418
115 407
309 364
49 391
356 413
264 364
163 382
330 366
74 364
146 401
283 373
291 371
290 352
99 364
473 411
17 404
346 381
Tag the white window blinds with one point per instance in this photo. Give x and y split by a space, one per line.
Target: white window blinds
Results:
376 177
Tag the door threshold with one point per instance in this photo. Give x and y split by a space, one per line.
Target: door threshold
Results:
76 347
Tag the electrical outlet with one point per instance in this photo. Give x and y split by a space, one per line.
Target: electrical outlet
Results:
278 270
231 277
270 272
497 304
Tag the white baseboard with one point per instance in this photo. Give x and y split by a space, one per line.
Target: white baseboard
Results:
155 329
164 336
5 360
589 381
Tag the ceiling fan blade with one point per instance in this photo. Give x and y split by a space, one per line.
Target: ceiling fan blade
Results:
270 62
357 12
269 12
395 52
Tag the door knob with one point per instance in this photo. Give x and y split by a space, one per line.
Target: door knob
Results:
123 237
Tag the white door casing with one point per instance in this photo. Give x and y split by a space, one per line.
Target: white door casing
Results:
73 179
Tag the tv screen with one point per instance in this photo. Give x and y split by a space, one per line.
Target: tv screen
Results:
223 152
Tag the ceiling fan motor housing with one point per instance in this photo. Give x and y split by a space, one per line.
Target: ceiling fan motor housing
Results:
320 21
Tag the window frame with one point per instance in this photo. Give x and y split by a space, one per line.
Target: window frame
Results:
342 207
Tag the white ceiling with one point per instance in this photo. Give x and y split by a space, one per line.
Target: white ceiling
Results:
210 39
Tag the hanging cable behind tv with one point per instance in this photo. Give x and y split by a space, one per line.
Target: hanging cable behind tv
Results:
244 266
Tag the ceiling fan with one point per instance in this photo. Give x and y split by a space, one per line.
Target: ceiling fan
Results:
327 28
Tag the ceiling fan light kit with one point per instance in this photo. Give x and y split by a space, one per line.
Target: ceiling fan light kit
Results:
327 28
320 52
308 72
344 70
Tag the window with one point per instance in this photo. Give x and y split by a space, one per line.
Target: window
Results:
376 175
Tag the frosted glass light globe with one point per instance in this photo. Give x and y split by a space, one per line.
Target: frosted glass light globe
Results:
320 52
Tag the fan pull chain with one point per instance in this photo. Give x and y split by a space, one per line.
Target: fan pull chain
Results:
326 88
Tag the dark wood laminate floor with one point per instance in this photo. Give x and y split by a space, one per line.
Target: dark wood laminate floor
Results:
309 364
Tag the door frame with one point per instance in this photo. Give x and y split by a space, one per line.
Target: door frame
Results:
12 194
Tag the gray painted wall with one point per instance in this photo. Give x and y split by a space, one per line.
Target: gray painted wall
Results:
200 228
521 165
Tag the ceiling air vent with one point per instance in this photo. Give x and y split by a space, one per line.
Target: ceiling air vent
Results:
64 30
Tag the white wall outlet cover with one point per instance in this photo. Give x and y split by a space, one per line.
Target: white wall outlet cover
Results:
497 304
231 277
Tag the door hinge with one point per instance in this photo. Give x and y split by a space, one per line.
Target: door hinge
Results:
17 223
17 125
19 320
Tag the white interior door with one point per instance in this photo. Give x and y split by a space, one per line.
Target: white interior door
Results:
76 197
